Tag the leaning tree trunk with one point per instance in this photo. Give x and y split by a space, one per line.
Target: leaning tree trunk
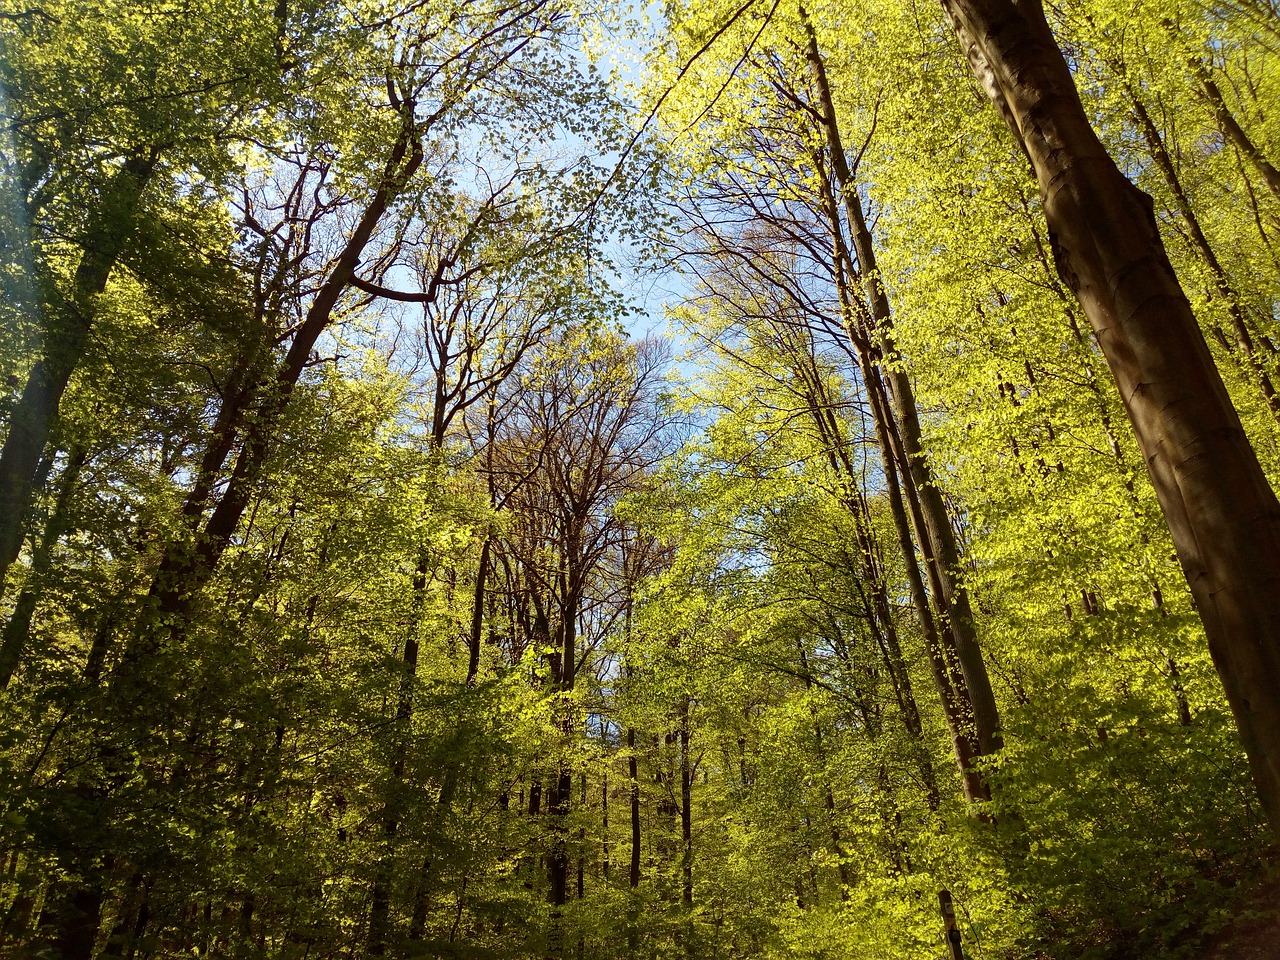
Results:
1223 515
67 332
936 538
1231 128
953 691
1244 345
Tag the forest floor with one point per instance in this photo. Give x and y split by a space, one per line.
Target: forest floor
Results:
1253 931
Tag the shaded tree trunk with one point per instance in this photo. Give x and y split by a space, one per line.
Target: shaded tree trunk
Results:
1223 515
185 568
66 335
633 873
18 628
477 614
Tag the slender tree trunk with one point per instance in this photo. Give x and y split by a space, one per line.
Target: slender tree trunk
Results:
870 576
1232 130
604 826
477 614
633 874
942 557
686 810
1222 513
1243 338
66 339
950 685
561 797
582 838
380 899
18 629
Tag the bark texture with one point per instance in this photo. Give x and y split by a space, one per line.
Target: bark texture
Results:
1223 515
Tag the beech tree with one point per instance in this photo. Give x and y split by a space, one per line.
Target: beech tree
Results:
1224 518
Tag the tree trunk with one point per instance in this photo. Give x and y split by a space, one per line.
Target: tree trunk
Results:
1232 130
184 569
937 539
18 629
66 339
1239 326
686 810
951 689
477 615
633 875
75 916
380 899
1224 517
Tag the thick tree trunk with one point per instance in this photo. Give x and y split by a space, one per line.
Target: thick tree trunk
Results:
1223 515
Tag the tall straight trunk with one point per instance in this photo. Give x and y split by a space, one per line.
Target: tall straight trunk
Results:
604 825
686 810
561 795
942 556
558 803
633 873
1223 515
885 634
477 614
952 692
66 338
380 896
582 838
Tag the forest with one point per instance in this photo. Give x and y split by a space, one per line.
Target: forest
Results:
782 479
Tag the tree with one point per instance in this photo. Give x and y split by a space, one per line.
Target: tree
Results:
1225 519
100 110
